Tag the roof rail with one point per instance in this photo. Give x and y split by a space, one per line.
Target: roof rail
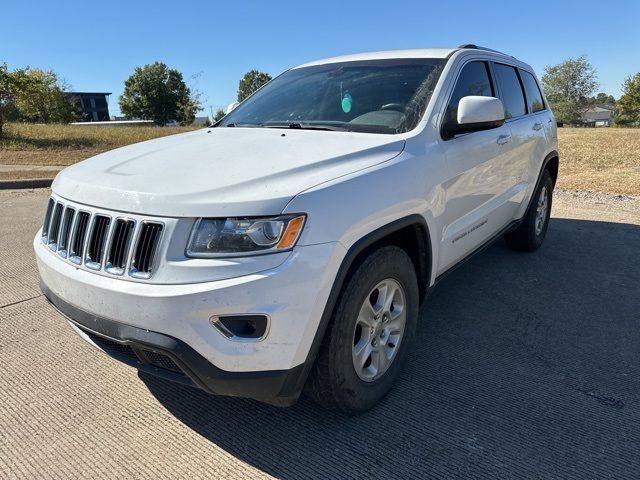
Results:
478 47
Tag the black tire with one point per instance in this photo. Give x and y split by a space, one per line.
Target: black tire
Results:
527 237
333 382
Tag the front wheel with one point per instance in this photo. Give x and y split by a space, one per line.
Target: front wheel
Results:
370 333
531 232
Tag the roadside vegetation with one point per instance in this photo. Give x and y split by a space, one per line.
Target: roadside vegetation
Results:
598 159
62 145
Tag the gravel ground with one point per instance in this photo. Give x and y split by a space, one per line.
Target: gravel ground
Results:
524 366
585 205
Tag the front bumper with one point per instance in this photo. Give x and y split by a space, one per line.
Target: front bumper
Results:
174 321
172 359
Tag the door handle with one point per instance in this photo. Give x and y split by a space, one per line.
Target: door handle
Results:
502 139
537 126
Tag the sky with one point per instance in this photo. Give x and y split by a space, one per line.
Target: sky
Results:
95 46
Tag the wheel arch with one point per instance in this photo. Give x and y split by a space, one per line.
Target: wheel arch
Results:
552 163
410 233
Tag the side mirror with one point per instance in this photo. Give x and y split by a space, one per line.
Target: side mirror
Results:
231 106
476 113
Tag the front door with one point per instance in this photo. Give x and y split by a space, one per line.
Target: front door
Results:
478 194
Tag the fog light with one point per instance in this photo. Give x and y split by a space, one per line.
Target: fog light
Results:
242 327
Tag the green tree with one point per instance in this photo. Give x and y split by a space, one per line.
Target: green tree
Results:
6 94
251 82
568 87
604 99
159 93
40 96
187 107
628 106
218 116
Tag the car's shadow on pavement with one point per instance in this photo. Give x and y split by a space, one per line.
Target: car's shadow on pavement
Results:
524 365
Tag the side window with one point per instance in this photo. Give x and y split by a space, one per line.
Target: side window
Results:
511 90
473 80
534 97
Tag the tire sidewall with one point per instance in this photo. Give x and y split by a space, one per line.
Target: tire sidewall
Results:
387 262
537 239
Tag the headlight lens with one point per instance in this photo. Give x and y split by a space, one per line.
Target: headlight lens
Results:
228 237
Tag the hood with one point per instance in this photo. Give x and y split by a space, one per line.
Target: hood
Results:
220 171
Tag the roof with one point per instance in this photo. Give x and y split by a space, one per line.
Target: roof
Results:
89 93
408 53
594 114
600 108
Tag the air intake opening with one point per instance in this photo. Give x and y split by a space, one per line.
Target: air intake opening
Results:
67 221
161 361
143 258
97 241
79 236
54 226
250 327
47 220
119 247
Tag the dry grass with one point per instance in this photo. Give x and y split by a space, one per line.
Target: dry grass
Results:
599 159
27 174
29 144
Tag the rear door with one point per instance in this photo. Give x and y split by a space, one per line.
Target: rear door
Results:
476 193
523 107
537 107
543 124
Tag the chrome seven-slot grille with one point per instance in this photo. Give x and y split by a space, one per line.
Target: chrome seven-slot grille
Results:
116 245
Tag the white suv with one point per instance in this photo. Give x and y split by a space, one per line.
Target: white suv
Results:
289 246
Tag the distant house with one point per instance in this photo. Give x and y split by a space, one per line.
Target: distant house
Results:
598 115
204 121
93 105
198 122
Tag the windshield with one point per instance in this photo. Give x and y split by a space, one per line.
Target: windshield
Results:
374 96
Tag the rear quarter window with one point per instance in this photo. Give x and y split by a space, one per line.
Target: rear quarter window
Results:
510 90
534 97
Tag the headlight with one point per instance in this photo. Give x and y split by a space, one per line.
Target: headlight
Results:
229 237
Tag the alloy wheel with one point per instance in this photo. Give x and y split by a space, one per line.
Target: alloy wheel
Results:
541 210
379 329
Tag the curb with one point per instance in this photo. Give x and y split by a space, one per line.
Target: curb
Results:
21 184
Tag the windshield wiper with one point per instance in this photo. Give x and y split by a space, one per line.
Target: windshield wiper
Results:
307 126
244 125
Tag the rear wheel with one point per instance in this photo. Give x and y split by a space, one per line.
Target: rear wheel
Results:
370 333
531 232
